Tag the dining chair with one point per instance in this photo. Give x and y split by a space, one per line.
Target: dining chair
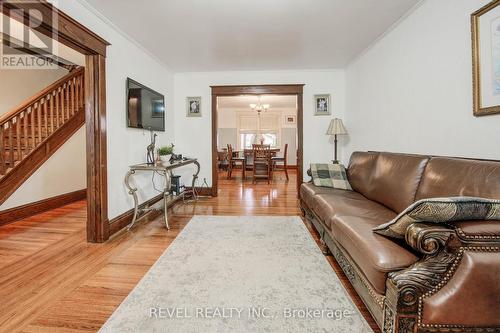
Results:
277 160
222 162
233 161
262 164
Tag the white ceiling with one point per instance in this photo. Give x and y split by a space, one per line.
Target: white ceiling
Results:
216 35
276 102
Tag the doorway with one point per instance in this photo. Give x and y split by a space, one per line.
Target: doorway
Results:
56 24
257 90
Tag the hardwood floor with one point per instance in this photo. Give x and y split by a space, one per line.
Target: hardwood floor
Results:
52 280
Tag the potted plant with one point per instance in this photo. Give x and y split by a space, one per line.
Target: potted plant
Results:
165 153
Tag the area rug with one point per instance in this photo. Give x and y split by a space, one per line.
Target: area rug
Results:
239 274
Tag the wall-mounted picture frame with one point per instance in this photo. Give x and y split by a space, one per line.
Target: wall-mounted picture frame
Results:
193 106
486 59
290 119
322 106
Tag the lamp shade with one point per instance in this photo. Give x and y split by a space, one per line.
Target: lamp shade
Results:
336 127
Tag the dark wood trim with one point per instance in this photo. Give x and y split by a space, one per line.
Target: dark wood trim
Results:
203 191
76 36
266 89
95 115
118 223
68 31
36 158
63 63
121 221
21 212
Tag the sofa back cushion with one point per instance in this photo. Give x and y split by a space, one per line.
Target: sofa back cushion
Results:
396 178
445 177
360 171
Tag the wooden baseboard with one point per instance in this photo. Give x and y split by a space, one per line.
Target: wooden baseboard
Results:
203 191
24 211
121 221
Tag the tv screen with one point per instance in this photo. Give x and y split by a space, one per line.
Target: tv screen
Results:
145 107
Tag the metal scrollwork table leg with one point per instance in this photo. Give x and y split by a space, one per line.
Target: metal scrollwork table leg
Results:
132 191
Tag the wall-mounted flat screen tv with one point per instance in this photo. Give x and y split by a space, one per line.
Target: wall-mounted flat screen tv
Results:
145 107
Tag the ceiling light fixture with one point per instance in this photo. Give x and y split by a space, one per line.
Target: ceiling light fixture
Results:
259 107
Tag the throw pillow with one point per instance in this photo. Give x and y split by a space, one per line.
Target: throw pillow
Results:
441 210
330 175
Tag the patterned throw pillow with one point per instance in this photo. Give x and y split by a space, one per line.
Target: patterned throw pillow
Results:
440 210
330 175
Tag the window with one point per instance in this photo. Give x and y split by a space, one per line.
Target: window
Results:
247 139
270 138
254 129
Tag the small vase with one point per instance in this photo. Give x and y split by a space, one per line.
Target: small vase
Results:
166 158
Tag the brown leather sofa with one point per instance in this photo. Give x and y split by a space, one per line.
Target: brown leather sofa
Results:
442 278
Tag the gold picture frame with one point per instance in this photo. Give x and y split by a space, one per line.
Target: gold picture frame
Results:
483 68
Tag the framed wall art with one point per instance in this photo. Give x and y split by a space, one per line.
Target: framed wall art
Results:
486 59
193 106
322 105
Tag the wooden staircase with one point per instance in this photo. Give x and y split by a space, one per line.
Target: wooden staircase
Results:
32 132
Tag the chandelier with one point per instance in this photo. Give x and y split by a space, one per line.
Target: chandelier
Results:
259 107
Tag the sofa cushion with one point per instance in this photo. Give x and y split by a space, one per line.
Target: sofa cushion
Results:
375 255
441 210
396 179
445 177
330 175
360 171
309 190
326 205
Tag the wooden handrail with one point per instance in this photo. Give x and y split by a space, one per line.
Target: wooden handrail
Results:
41 94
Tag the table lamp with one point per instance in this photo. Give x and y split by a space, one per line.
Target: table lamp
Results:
336 128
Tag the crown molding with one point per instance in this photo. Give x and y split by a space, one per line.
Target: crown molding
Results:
113 26
386 32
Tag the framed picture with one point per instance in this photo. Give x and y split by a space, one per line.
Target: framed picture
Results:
486 59
322 105
290 119
193 106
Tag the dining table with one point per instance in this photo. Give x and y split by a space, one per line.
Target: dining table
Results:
247 154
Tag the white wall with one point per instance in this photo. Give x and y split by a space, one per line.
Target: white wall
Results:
62 173
125 146
195 138
412 91
18 85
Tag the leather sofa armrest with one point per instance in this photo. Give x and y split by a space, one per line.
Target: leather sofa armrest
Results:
428 238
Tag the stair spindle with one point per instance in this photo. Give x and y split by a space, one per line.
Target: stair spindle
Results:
33 127
2 155
55 100
77 82
67 99
18 137
25 127
63 103
11 145
39 116
73 96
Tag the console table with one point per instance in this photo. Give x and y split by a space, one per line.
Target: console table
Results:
164 169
